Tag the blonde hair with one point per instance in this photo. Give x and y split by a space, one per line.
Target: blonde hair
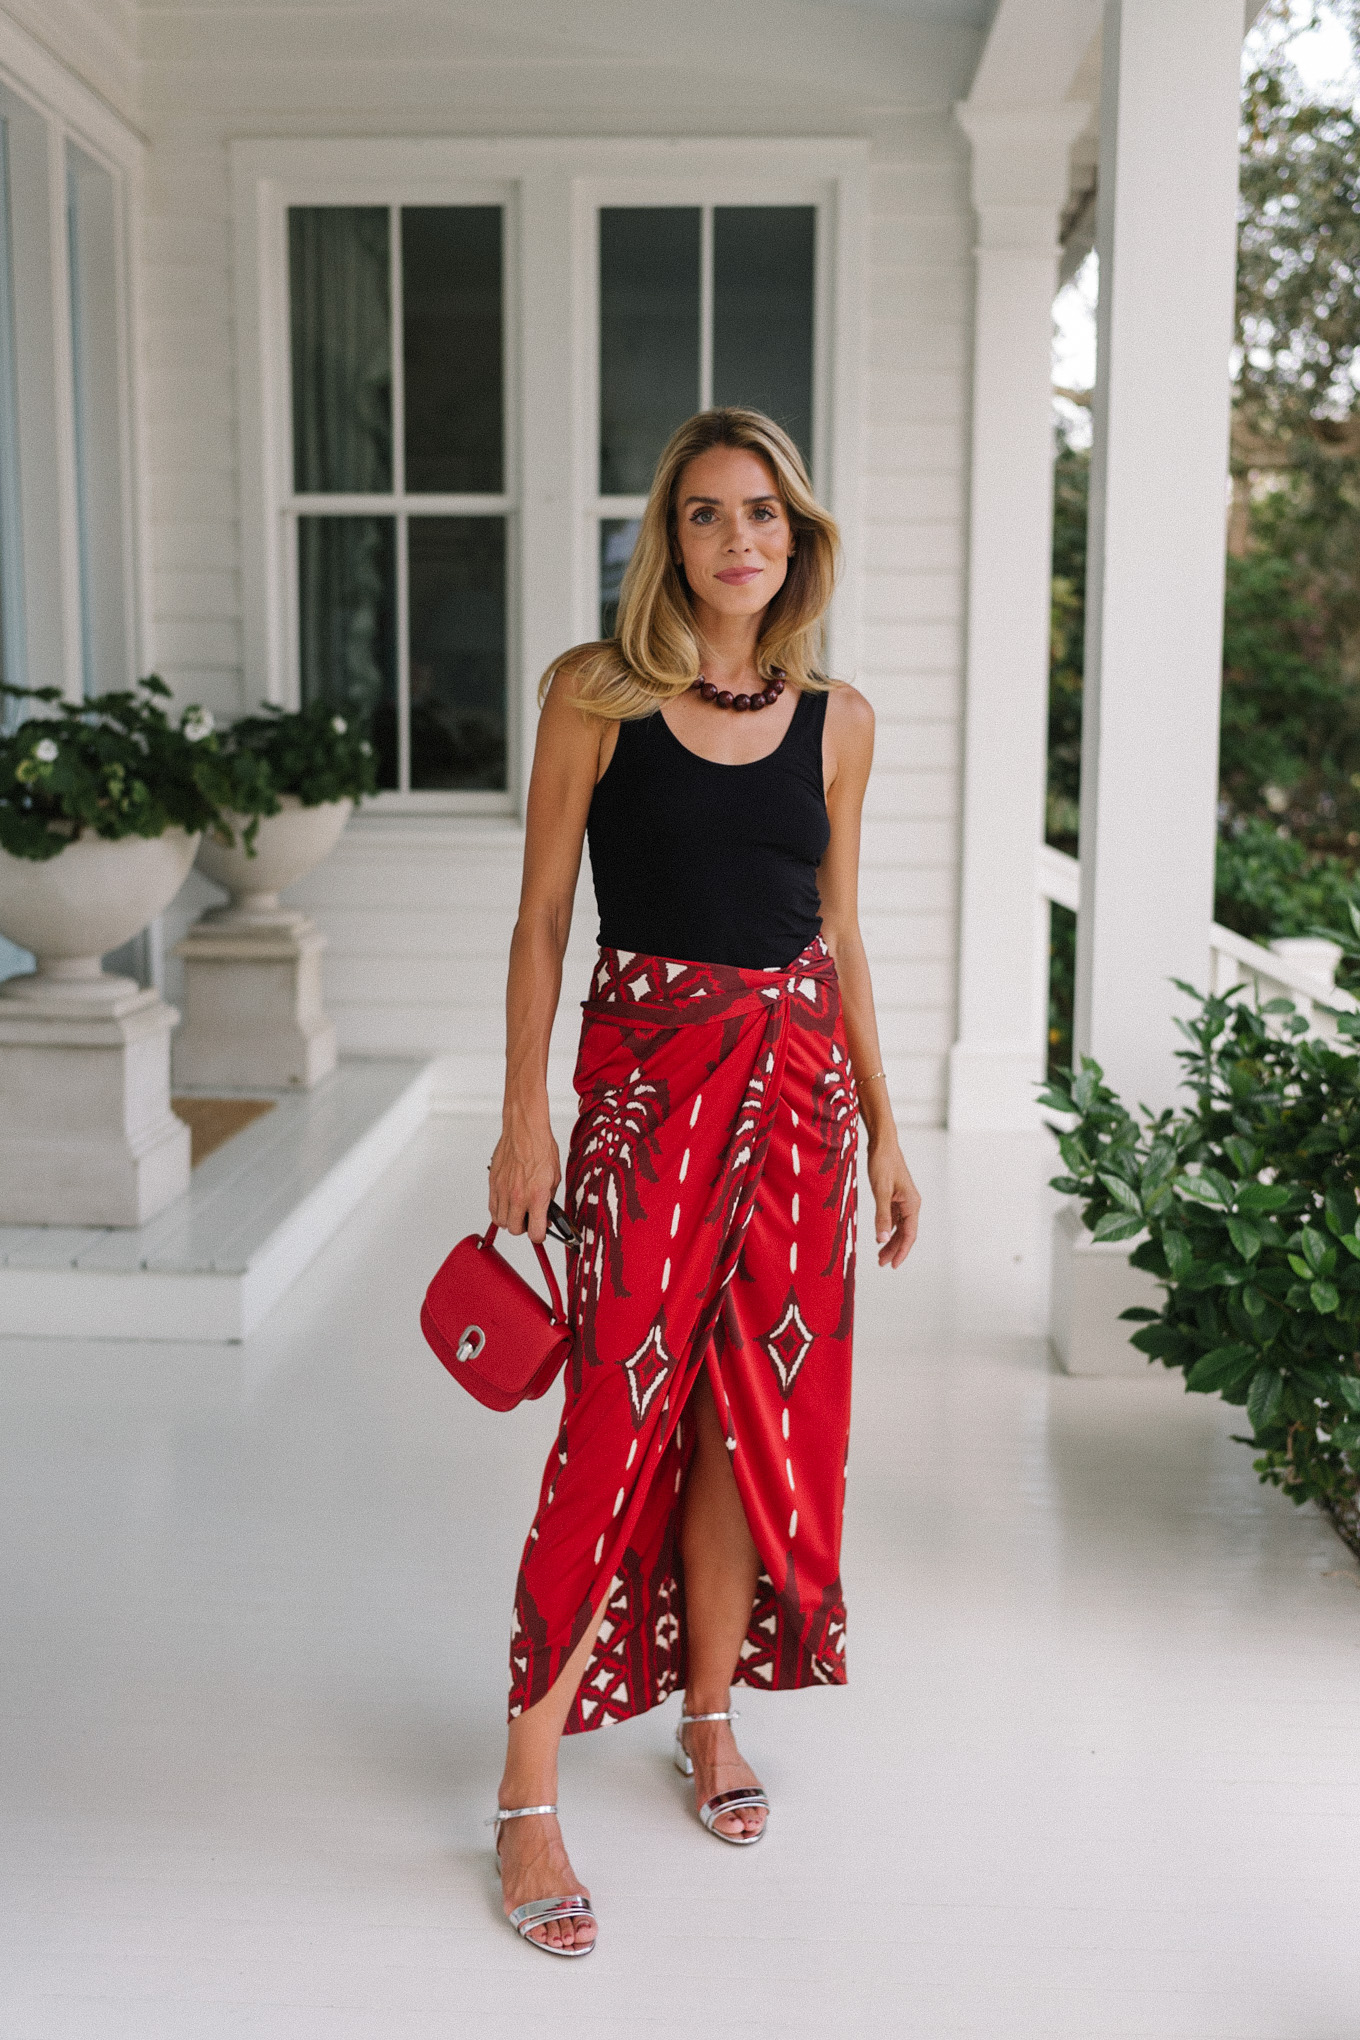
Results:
654 655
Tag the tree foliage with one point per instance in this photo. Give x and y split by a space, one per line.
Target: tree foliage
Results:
1298 263
1291 699
1067 651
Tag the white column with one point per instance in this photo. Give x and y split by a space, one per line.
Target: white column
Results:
1167 242
1020 182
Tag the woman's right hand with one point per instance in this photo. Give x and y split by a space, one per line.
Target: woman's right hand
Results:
525 1171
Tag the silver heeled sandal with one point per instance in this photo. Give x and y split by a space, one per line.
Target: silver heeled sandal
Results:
541 1912
713 1809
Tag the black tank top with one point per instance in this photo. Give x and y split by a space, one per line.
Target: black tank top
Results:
711 863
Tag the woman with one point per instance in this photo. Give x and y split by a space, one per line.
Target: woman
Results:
688 1529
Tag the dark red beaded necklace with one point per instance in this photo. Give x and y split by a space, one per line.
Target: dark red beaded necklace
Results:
721 698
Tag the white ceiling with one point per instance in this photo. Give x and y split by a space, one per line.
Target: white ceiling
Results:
949 13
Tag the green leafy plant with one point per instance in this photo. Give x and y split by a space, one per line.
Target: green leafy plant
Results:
1269 884
312 752
1244 1203
115 764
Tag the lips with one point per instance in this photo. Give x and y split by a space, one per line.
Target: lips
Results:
736 576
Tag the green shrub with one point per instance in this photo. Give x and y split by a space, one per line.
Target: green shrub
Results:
115 764
312 752
1247 1197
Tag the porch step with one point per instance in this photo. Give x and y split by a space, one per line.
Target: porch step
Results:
256 1212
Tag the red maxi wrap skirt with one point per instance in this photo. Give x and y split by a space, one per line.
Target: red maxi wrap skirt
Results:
712 1176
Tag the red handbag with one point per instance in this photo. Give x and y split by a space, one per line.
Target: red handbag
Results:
493 1332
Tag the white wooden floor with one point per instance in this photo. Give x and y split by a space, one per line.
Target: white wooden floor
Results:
1097 1772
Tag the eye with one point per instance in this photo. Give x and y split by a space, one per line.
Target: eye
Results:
703 515
766 512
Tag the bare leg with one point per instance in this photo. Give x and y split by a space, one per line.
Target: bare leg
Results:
721 1569
533 1860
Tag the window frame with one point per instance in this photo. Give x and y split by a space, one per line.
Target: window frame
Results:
400 503
51 113
551 191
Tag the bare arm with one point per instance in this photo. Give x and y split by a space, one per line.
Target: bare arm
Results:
526 1167
850 753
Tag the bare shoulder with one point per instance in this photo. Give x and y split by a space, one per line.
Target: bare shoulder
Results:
849 712
849 733
566 675
562 720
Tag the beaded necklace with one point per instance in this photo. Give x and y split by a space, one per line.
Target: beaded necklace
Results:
723 698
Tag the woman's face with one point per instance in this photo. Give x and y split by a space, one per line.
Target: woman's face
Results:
732 532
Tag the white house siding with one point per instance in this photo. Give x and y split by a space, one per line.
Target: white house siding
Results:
418 914
913 511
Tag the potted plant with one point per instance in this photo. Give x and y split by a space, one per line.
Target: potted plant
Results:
102 804
1246 1198
291 781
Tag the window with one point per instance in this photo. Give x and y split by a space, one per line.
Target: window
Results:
399 508
96 407
68 614
460 359
699 305
12 660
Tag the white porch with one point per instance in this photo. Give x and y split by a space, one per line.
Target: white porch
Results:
254 1596
1089 1778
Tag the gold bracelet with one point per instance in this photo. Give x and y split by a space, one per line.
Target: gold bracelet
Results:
873 1079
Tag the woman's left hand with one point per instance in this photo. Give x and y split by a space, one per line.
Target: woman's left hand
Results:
897 1202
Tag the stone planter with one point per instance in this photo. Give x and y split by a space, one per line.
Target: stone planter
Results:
288 846
87 1136
77 906
252 969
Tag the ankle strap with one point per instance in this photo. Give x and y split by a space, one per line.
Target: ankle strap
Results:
730 1715
516 1813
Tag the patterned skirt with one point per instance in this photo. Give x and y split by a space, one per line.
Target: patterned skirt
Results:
712 1177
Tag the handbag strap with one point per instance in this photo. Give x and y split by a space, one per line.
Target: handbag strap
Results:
545 1264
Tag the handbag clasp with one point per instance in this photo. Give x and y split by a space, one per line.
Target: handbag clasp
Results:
471 1343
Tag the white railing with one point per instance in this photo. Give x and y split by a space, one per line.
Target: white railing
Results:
1302 969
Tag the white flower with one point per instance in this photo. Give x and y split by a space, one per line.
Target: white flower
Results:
45 751
339 725
198 724
366 748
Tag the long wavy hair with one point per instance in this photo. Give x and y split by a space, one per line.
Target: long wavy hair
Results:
655 654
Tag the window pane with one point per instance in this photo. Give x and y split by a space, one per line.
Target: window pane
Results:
96 413
342 355
457 597
347 617
618 536
451 348
13 664
763 275
649 337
